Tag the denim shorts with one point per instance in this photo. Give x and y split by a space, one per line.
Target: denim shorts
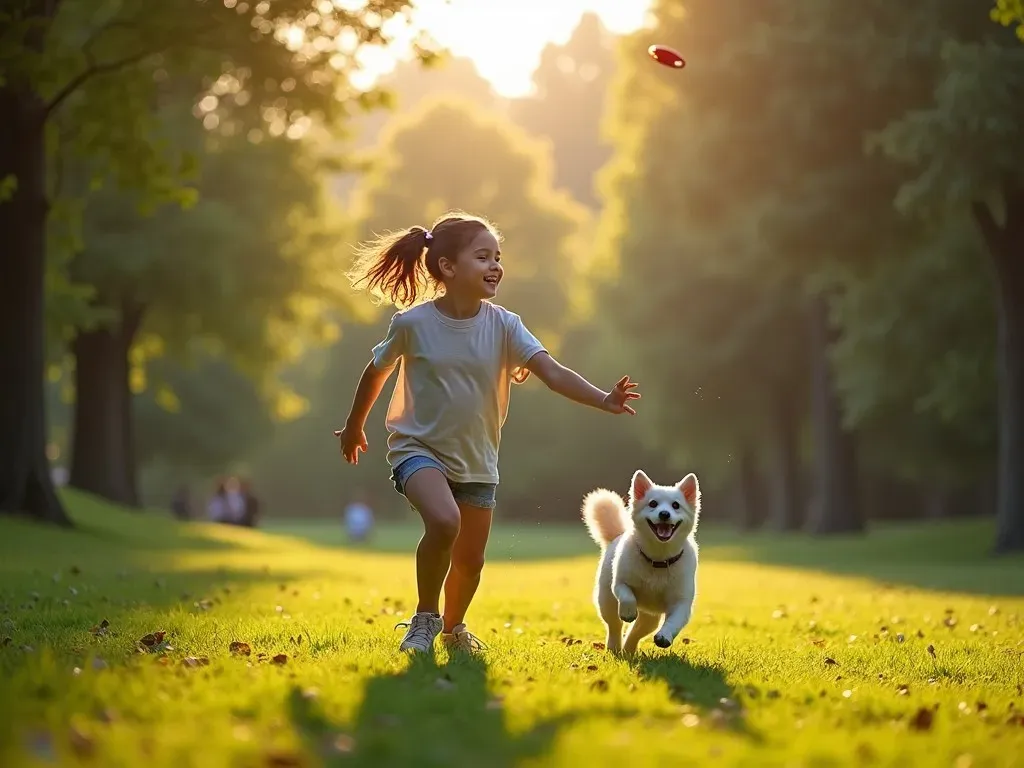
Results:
481 495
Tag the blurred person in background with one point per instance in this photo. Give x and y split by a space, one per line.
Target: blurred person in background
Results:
358 518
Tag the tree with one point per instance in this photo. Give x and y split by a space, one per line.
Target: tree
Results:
915 360
966 148
251 268
568 105
705 294
95 67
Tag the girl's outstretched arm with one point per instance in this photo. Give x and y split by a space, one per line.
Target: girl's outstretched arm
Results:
571 385
352 437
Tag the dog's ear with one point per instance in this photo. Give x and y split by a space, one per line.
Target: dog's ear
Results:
690 489
641 485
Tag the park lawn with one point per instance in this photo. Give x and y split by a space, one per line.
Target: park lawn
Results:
796 662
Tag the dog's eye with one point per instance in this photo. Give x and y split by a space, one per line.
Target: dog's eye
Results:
653 504
675 505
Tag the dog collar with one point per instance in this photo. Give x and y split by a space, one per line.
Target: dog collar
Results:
661 563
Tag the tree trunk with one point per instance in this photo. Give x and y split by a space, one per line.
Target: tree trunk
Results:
1006 254
103 452
26 486
836 502
748 491
784 468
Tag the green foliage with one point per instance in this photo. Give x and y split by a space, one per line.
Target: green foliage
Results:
1010 13
915 364
708 303
200 418
965 146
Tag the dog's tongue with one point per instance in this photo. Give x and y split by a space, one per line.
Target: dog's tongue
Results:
663 530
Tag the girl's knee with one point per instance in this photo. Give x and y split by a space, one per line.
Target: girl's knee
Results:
443 527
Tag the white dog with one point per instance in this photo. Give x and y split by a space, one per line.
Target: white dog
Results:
648 569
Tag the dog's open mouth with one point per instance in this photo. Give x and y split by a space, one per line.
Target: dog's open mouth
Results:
664 531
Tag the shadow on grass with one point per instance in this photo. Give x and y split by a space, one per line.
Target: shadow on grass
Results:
700 686
425 716
953 555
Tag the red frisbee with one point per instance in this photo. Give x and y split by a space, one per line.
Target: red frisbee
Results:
666 56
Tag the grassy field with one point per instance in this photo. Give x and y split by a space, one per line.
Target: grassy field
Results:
901 649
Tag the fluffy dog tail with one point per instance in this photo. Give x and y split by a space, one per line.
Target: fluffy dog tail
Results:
604 513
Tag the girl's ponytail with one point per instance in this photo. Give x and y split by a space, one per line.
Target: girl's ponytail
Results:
392 267
404 267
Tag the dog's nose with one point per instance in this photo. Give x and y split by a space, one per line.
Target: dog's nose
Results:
664 515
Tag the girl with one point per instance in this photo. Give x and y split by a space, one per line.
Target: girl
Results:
459 354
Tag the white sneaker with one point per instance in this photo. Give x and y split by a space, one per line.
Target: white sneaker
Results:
460 639
423 628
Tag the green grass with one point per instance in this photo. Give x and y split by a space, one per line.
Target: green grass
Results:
754 686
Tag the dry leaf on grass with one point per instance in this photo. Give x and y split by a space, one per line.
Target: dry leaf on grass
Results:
280 659
154 642
923 719
239 648
101 629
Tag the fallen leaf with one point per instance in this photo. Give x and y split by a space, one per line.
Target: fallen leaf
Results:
931 650
599 685
949 621
818 642
920 634
280 659
773 694
903 690
592 668
922 719
829 660
598 646
195 661
154 642
899 637
239 648
101 629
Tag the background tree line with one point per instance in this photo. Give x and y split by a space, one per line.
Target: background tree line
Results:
805 246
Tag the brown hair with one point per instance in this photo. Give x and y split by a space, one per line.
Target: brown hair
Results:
402 267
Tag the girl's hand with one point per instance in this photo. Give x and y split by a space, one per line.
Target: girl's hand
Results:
617 401
352 441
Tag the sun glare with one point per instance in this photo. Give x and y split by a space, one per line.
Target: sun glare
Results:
504 38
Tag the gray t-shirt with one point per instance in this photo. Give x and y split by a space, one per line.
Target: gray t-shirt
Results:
452 393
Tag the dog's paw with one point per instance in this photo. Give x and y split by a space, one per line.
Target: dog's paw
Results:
628 613
662 641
